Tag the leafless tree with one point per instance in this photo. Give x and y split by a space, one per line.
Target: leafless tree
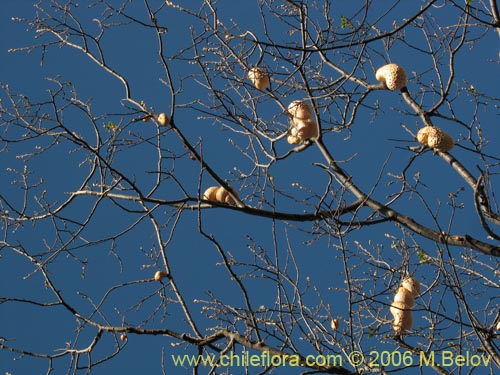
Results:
111 245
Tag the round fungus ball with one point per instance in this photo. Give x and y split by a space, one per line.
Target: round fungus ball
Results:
163 119
220 195
392 76
159 275
259 77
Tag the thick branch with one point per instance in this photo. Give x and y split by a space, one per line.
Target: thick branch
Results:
363 200
408 222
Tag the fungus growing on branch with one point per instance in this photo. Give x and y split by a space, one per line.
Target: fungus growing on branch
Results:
392 76
163 119
303 127
404 300
435 138
259 78
220 195
159 275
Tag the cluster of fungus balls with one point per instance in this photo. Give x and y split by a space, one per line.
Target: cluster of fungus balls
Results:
303 127
393 77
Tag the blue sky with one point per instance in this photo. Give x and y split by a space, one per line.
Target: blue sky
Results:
372 149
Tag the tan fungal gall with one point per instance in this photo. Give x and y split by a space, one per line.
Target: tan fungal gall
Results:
404 300
306 129
403 318
123 337
498 326
163 119
299 109
392 76
435 138
220 195
335 324
259 78
159 275
303 127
